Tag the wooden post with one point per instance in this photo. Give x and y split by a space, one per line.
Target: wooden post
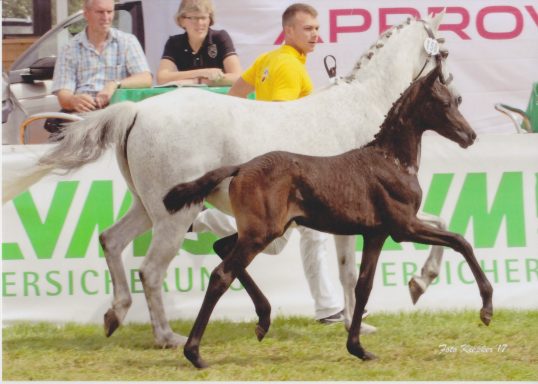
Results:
42 16
12 48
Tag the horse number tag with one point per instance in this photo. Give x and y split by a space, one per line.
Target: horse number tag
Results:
431 46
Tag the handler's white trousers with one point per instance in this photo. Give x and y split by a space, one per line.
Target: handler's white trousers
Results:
313 255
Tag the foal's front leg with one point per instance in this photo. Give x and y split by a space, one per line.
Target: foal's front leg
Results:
418 231
370 255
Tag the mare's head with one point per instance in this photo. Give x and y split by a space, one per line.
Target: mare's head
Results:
437 109
402 54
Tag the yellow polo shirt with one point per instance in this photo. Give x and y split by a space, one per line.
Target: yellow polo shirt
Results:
279 75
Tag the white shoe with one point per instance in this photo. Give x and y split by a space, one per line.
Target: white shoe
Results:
367 329
338 317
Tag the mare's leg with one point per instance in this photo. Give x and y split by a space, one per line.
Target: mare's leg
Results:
221 278
432 266
168 233
263 308
114 240
370 255
347 269
423 233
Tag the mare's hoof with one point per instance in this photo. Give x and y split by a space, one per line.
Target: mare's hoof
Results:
111 322
260 332
171 341
195 359
485 315
415 289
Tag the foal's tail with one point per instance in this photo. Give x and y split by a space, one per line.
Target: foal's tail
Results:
80 143
196 191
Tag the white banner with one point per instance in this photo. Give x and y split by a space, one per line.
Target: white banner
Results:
53 269
493 44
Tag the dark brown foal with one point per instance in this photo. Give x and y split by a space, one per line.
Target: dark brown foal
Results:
373 191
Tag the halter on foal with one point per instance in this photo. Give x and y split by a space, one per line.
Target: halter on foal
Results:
373 191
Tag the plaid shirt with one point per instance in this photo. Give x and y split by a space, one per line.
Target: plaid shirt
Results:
81 69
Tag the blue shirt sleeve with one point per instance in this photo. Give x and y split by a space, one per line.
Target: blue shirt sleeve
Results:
135 59
64 70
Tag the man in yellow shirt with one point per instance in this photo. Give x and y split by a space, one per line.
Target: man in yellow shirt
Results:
281 75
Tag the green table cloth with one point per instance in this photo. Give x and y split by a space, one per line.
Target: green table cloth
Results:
138 94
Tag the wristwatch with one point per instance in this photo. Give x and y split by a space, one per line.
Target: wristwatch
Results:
118 84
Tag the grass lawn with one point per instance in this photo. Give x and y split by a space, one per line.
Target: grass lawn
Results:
411 346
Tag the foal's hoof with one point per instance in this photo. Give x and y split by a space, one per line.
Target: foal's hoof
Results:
415 289
485 315
195 359
260 332
111 322
361 353
368 356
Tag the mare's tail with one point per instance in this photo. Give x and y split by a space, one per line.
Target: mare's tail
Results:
81 143
196 191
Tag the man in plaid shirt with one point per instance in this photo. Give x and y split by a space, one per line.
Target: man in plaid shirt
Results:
97 61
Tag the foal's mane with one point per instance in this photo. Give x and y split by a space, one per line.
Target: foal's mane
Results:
393 120
399 107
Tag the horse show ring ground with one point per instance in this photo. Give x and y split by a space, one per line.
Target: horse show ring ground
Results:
413 346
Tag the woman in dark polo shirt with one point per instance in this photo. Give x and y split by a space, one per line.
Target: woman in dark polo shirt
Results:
201 54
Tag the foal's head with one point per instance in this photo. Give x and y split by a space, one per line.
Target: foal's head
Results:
438 109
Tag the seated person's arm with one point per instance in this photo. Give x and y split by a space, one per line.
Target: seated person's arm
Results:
136 67
139 74
241 88
230 61
168 72
77 103
232 71
85 103
64 84
138 80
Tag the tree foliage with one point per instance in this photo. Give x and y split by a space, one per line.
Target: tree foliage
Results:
74 5
24 8
17 8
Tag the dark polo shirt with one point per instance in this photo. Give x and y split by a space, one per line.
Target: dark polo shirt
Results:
216 47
